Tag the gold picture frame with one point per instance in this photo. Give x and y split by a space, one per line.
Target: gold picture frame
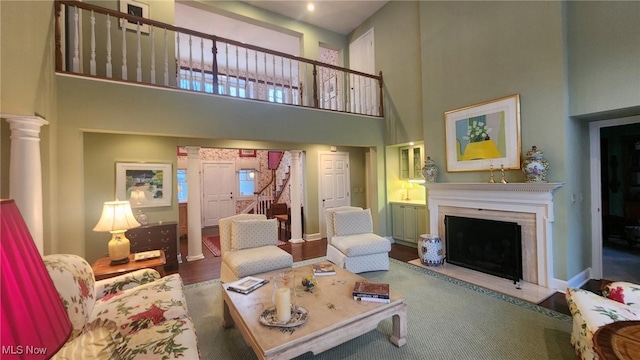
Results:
483 135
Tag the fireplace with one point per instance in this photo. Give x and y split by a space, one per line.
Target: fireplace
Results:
530 205
489 246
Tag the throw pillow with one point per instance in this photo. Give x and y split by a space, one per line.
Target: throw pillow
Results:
352 222
253 233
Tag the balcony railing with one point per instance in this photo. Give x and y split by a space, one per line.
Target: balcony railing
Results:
129 48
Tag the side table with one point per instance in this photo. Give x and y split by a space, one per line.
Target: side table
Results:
102 270
619 340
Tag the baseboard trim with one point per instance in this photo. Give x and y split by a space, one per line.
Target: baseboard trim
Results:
575 282
312 237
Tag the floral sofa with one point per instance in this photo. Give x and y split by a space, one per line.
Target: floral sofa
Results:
136 315
620 302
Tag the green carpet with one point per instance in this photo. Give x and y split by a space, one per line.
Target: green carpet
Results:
447 319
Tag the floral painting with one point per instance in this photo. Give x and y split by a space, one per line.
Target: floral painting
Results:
484 135
144 184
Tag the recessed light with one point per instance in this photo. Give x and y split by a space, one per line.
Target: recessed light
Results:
411 143
311 7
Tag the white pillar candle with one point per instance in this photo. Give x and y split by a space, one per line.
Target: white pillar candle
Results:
283 304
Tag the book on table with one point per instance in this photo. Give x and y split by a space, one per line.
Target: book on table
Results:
365 289
247 284
323 269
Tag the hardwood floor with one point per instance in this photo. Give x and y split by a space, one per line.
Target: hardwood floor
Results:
209 267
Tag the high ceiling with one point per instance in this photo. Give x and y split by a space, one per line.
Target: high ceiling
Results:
338 16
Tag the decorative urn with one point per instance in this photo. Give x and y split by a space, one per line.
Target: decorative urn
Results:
535 166
430 250
429 170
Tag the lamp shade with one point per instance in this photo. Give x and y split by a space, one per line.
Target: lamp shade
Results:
116 216
35 323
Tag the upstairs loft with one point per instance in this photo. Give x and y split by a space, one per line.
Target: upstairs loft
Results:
100 43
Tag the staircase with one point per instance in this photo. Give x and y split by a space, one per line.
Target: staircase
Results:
273 192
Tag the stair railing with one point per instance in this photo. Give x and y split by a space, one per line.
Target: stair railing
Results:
134 49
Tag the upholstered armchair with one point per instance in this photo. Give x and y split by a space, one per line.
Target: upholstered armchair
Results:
138 314
620 302
248 243
351 243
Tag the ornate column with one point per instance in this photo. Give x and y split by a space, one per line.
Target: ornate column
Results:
25 172
194 218
296 203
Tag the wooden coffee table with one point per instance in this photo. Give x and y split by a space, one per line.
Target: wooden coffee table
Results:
334 317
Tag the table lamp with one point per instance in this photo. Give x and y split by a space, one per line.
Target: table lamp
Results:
117 218
32 313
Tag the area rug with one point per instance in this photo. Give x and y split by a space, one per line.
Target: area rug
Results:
213 244
447 319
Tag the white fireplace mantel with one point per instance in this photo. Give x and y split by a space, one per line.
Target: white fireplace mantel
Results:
531 198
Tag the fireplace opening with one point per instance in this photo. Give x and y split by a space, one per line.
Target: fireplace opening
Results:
489 246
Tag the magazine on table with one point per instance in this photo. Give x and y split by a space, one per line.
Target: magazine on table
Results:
371 299
247 284
323 269
365 289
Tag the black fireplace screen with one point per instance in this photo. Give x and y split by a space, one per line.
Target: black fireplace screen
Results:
492 247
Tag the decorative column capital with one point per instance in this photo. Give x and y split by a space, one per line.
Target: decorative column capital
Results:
193 151
24 125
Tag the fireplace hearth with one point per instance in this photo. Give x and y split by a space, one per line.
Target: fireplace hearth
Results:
492 247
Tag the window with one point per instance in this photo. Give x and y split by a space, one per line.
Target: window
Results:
276 95
247 182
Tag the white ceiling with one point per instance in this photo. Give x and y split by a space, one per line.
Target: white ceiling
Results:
338 16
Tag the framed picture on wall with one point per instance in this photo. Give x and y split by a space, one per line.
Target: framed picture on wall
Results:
485 135
144 184
135 8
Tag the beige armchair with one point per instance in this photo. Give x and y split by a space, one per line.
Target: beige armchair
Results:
351 243
248 243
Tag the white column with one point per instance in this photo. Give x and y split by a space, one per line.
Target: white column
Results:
296 203
25 172
194 219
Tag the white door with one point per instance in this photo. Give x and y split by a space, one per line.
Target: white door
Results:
218 191
363 90
334 183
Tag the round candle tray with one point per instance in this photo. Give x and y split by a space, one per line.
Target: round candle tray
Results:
299 316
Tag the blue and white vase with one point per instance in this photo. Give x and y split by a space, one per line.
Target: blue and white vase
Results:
535 166
430 250
429 170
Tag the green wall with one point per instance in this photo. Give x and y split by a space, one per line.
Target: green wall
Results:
102 150
397 43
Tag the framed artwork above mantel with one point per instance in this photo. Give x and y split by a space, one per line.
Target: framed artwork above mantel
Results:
483 136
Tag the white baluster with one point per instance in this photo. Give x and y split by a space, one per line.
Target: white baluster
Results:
257 85
76 42
282 77
291 99
179 58
246 72
153 54
226 65
108 66
237 71
202 65
139 56
92 62
273 65
124 50
166 61
190 65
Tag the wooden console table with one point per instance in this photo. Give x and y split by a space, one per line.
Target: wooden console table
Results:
619 340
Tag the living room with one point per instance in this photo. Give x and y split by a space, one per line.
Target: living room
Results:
570 67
